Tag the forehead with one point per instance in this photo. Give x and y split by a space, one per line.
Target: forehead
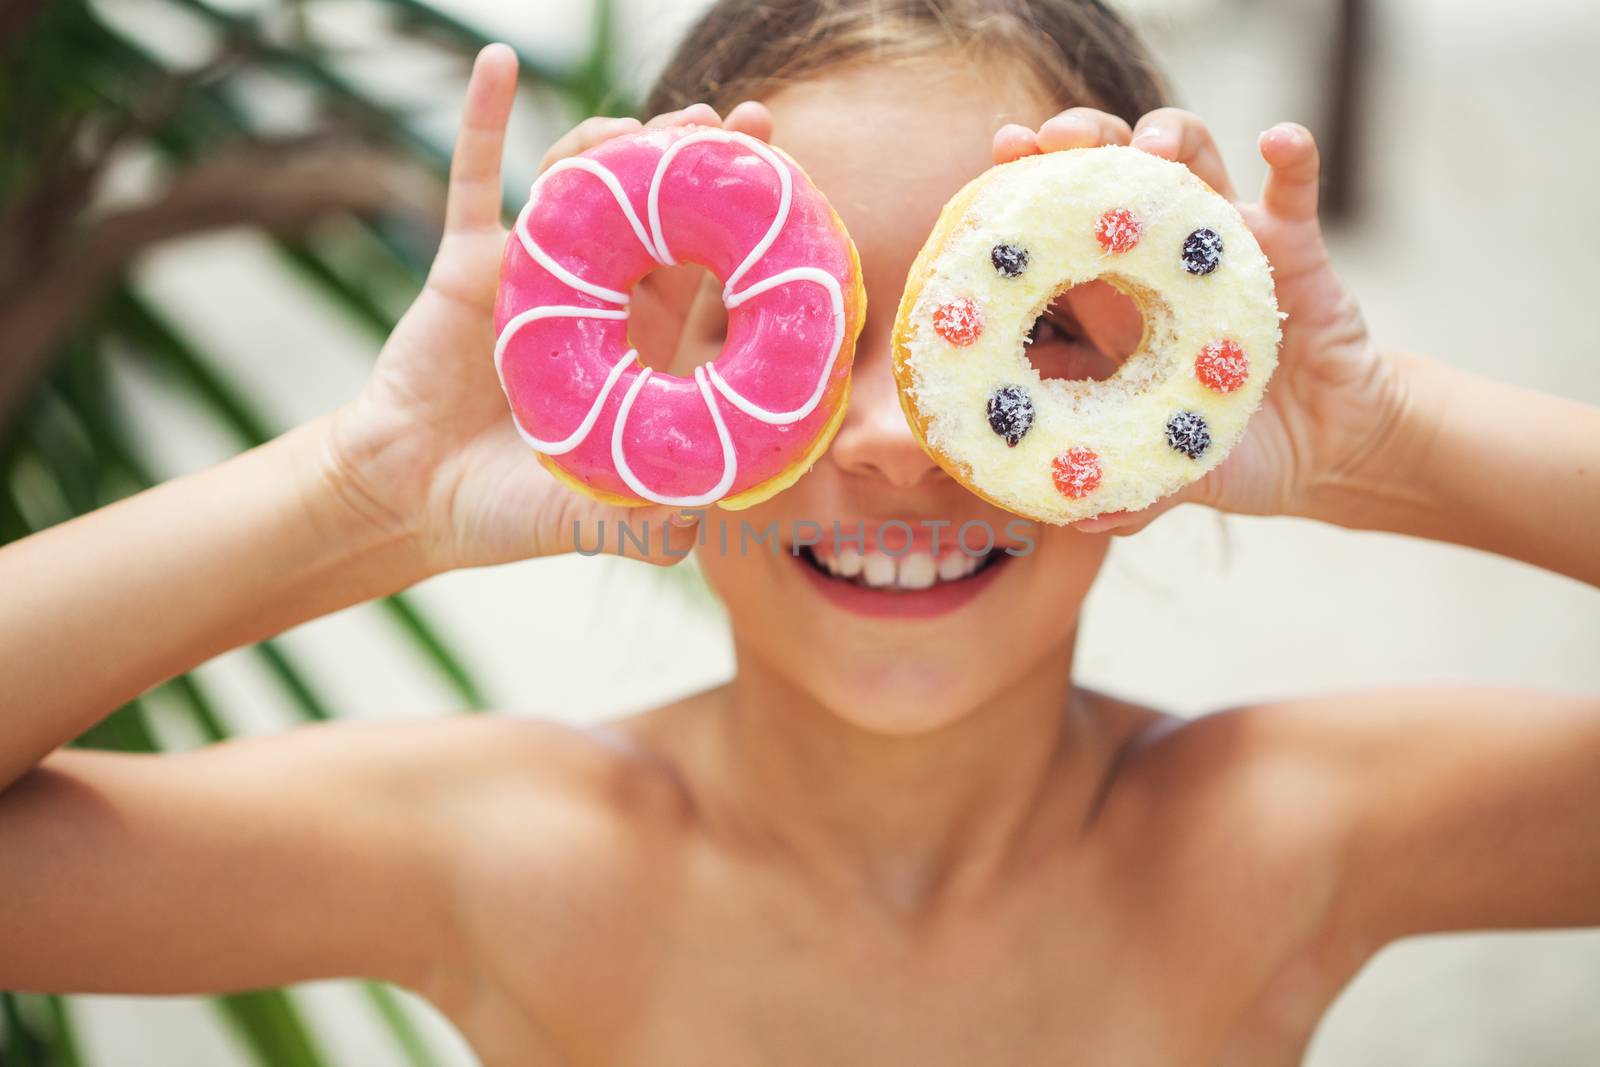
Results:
888 144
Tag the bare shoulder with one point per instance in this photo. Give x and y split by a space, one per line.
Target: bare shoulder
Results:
1226 749
457 765
1246 815
520 789
537 756
1262 783
1341 822
1323 758
563 838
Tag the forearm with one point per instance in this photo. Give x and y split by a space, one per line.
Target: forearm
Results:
1479 463
101 608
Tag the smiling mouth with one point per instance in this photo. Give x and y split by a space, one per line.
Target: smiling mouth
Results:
910 572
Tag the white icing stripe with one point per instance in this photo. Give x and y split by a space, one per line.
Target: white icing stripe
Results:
605 174
547 311
576 438
541 257
785 199
836 295
729 460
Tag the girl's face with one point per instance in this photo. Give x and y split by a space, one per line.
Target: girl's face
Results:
901 641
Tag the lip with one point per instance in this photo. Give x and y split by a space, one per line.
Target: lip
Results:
941 598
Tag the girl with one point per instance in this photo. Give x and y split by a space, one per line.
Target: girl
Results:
901 834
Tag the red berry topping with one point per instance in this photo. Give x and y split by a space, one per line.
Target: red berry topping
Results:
1118 230
959 322
1221 365
1076 472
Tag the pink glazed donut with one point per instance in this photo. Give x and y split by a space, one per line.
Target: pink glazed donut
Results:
744 426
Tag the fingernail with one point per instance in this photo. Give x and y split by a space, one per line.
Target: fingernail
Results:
700 114
1286 131
687 517
1150 135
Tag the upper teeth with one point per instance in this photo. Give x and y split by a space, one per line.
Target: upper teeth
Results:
912 570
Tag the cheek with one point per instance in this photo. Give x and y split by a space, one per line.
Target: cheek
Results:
740 580
737 555
1040 607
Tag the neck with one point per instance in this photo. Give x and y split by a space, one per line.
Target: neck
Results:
912 820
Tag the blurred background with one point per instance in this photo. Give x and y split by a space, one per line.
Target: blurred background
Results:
213 210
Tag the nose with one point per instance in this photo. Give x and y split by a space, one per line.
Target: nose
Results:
874 439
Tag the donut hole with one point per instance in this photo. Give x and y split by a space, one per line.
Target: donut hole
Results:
1085 332
676 320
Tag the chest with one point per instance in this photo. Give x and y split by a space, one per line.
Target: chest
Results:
720 966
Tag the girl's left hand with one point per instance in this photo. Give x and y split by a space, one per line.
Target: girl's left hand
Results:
1334 395
426 454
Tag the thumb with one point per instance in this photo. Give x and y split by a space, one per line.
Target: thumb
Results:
679 533
1123 523
670 533
654 533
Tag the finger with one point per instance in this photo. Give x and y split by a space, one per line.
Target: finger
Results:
750 118
1293 170
1123 523
693 115
680 529
586 135
1112 322
671 533
1108 522
473 199
1180 136
1012 141
1082 127
653 533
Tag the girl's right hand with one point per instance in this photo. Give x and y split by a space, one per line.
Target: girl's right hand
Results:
427 451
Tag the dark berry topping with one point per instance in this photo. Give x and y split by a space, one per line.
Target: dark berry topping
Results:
1010 413
1009 260
1202 251
1187 433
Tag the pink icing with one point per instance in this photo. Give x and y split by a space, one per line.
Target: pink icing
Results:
789 345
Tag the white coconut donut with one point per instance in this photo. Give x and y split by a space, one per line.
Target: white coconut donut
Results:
1024 232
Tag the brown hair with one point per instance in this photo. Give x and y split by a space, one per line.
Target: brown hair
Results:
1076 51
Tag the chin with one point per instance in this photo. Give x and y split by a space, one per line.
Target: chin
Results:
921 691
899 712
